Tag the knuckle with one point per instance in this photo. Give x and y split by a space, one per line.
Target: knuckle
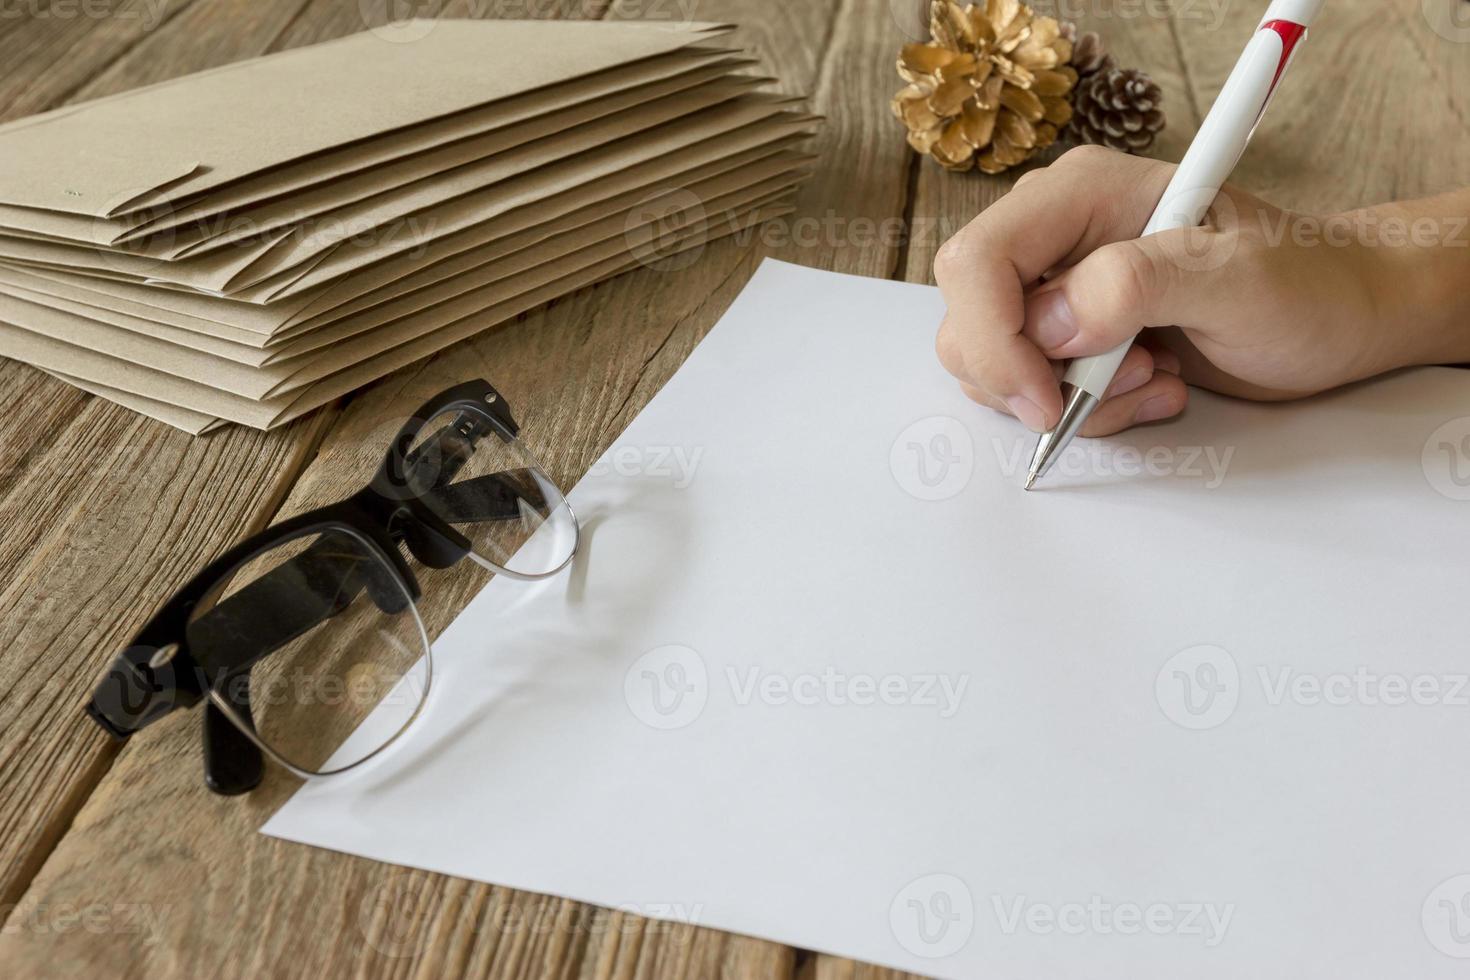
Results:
1087 156
1175 394
954 256
948 349
1136 275
1028 178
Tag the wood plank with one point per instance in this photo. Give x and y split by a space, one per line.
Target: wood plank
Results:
1440 30
104 512
943 202
53 51
1364 117
92 491
576 372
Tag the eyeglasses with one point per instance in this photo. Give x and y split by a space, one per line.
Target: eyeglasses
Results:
305 641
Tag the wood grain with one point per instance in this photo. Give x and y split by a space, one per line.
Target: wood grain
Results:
102 513
1366 117
577 373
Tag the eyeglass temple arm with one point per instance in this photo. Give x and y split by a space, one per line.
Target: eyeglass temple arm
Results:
306 590
277 599
233 764
254 622
478 393
492 497
286 603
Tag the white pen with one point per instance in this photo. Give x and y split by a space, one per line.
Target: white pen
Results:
1218 145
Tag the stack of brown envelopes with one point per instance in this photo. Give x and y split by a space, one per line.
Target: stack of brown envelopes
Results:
249 243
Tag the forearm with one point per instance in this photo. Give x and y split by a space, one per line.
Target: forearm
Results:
1417 257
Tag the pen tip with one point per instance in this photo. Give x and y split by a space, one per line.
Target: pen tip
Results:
1030 481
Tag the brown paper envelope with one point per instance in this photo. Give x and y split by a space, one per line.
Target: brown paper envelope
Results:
133 267
371 154
315 306
397 278
77 229
130 345
139 320
388 223
253 325
393 222
102 370
208 235
355 158
194 423
243 322
731 192
537 186
132 330
306 370
61 358
346 283
132 339
180 138
353 378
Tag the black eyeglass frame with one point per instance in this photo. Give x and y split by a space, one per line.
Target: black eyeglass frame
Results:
159 673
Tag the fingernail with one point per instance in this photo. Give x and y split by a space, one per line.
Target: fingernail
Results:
1051 321
1025 409
1157 407
1133 379
1168 362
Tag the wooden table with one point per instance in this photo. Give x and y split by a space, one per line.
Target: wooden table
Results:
118 861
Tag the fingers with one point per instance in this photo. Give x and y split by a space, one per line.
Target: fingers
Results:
1126 287
1162 397
1147 388
1136 371
1088 198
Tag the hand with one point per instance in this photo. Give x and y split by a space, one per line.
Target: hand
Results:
1267 305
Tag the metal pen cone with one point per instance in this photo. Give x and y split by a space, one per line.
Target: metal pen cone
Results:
1077 405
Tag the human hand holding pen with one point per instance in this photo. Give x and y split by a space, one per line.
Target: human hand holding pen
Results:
1268 305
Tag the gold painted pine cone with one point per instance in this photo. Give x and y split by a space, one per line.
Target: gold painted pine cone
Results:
990 89
1119 108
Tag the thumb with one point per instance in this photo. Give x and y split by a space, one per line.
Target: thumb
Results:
1173 278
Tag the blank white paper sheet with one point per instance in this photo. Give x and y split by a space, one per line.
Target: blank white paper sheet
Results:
823 673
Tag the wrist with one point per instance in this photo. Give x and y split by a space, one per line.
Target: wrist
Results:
1416 266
